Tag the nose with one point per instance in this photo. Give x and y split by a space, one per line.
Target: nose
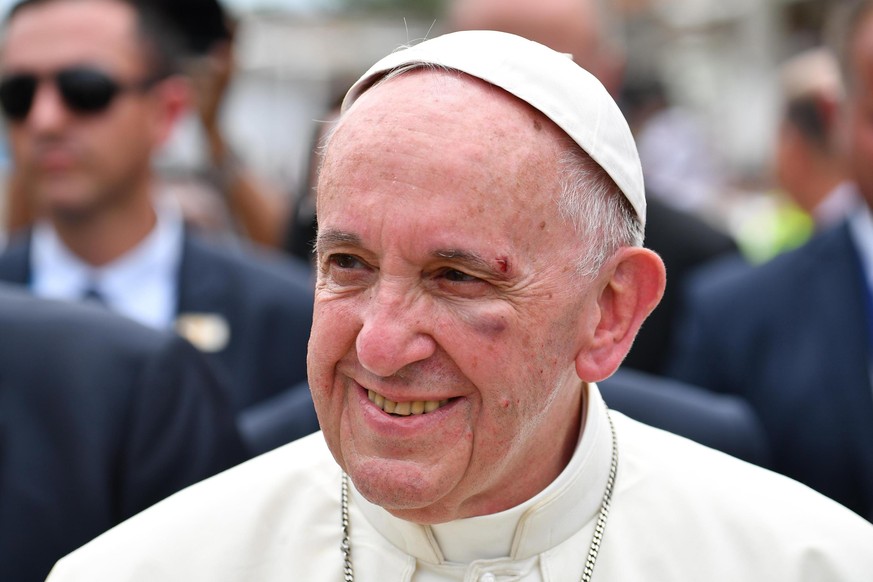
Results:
394 334
47 112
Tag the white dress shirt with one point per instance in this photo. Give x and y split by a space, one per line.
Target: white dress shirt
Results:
840 202
141 284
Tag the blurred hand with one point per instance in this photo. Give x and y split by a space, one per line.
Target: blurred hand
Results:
210 77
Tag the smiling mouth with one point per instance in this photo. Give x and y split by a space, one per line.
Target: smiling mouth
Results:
405 408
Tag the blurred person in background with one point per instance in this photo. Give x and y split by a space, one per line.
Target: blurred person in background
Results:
811 190
679 161
100 418
810 162
302 224
90 91
793 336
220 195
256 208
588 30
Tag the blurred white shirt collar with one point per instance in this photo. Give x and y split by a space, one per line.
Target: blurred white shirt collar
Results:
141 284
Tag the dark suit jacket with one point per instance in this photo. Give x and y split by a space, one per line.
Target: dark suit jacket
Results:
266 300
99 419
684 242
721 421
793 338
278 420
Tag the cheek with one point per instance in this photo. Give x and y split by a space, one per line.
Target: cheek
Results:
513 342
511 362
865 142
333 333
861 133
334 327
489 326
20 144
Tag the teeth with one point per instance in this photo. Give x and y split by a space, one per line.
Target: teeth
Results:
404 408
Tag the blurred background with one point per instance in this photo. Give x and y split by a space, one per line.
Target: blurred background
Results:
702 85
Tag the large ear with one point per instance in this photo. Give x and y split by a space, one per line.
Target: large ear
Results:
631 286
172 97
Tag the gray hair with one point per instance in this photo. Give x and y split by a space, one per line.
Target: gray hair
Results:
601 215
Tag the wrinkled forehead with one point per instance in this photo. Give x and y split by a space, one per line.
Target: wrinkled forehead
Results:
442 111
448 100
436 140
547 80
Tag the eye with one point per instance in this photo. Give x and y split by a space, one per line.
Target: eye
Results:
344 261
461 285
456 276
345 270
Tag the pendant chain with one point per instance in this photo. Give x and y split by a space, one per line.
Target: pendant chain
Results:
346 546
593 549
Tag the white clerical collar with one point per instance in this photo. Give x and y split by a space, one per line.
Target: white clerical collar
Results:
524 531
141 284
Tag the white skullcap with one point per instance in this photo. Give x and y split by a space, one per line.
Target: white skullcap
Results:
547 80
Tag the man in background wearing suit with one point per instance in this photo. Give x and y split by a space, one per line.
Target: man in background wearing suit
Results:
809 161
100 418
89 92
794 335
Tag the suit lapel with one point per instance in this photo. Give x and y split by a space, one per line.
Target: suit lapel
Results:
205 310
840 289
200 285
15 260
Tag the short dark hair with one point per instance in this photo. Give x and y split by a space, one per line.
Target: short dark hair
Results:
161 39
201 23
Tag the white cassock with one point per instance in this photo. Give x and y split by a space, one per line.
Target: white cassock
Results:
680 513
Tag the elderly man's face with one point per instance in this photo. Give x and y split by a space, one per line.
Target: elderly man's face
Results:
446 288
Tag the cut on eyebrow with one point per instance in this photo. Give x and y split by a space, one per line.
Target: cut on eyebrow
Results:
498 268
334 238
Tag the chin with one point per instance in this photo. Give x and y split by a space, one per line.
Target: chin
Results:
404 489
70 210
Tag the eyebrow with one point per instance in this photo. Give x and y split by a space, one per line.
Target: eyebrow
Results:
328 239
333 238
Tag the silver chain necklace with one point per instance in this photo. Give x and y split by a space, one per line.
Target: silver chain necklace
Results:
593 549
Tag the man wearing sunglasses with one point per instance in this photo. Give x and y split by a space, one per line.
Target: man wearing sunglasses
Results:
89 93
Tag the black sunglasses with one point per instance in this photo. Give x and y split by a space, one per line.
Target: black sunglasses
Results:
84 90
